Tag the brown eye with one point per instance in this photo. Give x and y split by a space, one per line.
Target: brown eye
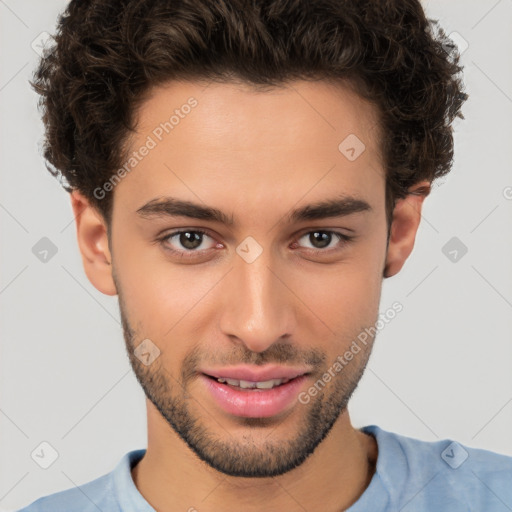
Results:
324 240
191 240
320 239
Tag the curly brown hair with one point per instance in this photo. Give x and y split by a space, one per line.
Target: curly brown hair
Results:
107 55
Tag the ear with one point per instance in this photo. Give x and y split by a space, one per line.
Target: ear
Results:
404 226
91 231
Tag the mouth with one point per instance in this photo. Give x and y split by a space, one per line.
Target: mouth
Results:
252 385
254 398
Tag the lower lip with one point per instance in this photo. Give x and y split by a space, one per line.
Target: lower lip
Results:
254 403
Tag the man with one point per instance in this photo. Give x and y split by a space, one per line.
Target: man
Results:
244 175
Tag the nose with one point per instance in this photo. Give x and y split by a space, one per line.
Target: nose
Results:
258 307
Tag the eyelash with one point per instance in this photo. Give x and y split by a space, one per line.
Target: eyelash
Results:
344 239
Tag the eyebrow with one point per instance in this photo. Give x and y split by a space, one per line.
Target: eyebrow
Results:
173 207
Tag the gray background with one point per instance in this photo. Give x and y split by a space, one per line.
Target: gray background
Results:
441 369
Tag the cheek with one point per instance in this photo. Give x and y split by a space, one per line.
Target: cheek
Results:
343 298
161 298
147 290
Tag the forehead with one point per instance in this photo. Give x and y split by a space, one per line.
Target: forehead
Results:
231 143
236 116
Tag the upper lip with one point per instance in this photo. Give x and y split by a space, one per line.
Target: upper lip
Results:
255 373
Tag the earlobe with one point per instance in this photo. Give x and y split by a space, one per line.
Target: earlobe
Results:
92 237
405 224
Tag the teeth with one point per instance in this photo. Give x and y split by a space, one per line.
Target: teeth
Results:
268 384
246 384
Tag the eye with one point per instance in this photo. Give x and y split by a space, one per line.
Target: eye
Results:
322 240
186 241
191 242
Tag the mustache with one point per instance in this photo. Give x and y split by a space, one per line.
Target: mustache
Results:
278 353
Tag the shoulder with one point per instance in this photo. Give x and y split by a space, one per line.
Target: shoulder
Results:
99 494
85 498
445 474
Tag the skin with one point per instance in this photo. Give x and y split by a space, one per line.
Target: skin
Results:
255 156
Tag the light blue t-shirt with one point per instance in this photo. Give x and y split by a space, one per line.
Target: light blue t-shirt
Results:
411 476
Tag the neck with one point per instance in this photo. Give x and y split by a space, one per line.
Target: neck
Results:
170 477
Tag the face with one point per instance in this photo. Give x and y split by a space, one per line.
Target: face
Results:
271 273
